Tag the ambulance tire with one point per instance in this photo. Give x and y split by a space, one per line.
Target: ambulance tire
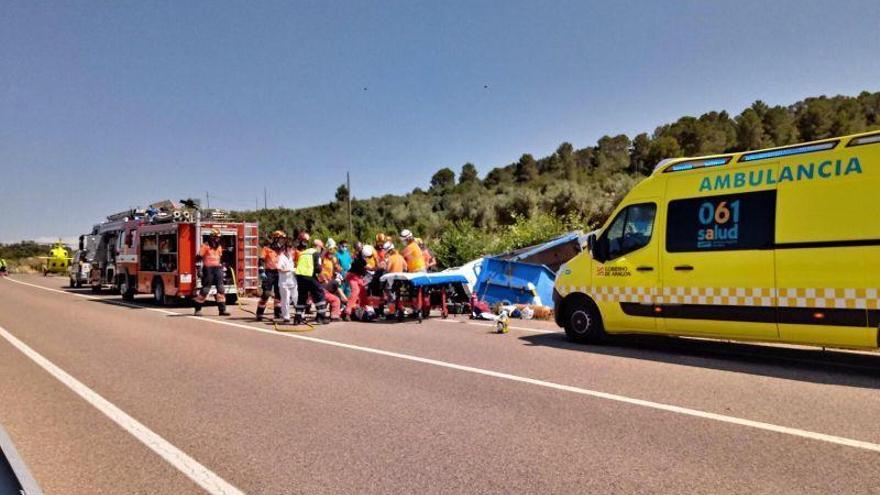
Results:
583 323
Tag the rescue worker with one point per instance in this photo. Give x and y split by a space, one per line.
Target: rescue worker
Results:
430 261
213 273
2 266
286 282
412 253
269 264
394 262
371 259
381 240
308 266
343 256
334 296
356 276
329 263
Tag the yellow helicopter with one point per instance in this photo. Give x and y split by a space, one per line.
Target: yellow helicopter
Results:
58 259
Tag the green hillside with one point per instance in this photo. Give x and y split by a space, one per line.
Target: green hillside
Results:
530 200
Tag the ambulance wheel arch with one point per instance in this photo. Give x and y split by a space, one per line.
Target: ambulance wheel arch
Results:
581 319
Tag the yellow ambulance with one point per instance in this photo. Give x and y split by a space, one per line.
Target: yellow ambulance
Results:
777 245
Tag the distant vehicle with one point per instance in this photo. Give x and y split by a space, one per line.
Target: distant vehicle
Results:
79 269
58 259
106 242
778 245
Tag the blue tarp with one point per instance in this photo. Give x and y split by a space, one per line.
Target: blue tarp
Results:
516 282
518 277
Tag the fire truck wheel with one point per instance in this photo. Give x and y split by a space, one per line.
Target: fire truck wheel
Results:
126 288
96 289
159 291
231 299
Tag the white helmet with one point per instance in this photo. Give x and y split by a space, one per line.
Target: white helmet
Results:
388 246
368 251
405 233
331 244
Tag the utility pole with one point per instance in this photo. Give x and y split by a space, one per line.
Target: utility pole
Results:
256 204
208 200
265 199
348 186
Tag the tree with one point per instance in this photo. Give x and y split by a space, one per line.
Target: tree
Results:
662 148
750 131
468 174
443 179
639 154
815 118
849 118
342 194
779 126
612 153
497 176
526 169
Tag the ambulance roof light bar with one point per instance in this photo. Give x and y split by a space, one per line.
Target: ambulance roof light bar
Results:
694 164
869 139
795 150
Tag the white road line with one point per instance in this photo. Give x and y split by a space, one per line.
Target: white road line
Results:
577 390
523 329
202 476
722 418
94 298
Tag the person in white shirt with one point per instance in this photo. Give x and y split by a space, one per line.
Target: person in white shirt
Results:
286 282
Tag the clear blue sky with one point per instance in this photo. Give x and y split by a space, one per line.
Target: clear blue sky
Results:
106 105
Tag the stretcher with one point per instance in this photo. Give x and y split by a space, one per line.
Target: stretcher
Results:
421 292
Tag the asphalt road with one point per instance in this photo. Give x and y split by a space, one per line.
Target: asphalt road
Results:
103 397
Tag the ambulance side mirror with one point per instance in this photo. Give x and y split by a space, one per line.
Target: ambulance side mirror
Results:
600 249
591 242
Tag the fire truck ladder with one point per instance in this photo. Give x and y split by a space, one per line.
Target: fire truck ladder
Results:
251 257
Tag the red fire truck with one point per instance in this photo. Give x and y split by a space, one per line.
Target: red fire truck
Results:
160 259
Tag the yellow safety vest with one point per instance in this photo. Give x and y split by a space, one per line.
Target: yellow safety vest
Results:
305 264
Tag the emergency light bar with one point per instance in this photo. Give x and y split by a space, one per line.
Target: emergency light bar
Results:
870 139
709 162
797 150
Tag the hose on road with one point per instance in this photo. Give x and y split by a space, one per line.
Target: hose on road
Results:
282 327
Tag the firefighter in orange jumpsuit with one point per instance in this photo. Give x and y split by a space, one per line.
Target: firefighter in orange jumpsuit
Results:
269 264
213 273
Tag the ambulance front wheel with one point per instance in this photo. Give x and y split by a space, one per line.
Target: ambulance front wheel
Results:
583 322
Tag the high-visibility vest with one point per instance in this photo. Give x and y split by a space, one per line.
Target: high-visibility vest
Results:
395 263
211 256
412 253
270 258
305 263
